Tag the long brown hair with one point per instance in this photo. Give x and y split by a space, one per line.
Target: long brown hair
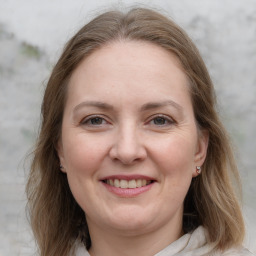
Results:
56 219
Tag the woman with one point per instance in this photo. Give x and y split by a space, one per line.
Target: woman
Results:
132 158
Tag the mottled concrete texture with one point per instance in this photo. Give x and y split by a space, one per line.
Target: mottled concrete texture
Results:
32 34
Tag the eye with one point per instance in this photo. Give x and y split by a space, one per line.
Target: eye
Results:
94 121
161 120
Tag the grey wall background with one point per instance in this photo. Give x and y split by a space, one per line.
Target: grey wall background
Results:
32 34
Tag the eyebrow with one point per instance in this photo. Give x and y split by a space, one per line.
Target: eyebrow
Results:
96 104
154 105
145 107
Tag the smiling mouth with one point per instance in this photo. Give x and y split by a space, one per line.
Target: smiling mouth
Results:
134 183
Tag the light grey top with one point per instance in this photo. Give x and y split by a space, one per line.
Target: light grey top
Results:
191 244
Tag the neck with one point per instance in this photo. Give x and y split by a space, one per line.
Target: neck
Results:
117 243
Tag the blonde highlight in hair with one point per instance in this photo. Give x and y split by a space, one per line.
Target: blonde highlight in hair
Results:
56 219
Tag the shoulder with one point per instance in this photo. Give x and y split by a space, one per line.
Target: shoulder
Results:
80 250
238 252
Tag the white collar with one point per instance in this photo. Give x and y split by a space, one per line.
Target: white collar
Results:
190 244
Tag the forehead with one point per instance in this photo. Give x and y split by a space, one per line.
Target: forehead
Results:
128 68
133 54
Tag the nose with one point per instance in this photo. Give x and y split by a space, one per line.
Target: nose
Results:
128 147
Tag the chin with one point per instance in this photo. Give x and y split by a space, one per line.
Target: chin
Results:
131 220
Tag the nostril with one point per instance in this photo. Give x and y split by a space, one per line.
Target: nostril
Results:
127 151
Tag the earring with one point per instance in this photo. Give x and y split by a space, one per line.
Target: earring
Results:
198 169
61 167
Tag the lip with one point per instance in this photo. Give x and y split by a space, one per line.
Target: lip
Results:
128 177
128 192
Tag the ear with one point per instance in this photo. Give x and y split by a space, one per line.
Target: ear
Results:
61 155
201 150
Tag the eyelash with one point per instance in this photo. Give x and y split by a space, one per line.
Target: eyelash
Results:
90 118
170 121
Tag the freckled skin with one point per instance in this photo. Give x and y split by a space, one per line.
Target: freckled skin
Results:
129 141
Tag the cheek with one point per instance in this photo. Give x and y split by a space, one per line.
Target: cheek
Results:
83 158
83 154
176 163
175 155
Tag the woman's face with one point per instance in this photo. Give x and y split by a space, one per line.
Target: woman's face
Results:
129 143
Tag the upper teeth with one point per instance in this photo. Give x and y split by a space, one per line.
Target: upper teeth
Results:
128 183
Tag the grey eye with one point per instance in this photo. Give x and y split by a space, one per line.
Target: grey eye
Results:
96 121
159 121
